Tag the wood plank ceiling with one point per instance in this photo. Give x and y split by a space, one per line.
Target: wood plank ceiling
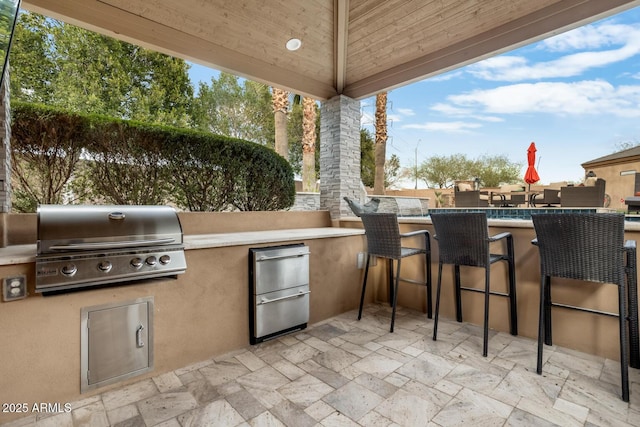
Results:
352 47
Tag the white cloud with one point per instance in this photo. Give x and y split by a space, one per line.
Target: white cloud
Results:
589 37
510 68
584 97
446 76
406 112
454 127
451 110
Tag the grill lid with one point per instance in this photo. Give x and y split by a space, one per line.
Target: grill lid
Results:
64 228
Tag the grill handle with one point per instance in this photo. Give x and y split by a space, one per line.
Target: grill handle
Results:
111 245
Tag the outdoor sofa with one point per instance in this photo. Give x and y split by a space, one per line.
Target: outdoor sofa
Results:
589 194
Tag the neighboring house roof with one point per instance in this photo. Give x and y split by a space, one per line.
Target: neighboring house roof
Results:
625 156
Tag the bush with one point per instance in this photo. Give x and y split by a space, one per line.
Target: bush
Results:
64 157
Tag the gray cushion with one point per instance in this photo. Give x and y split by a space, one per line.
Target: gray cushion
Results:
370 207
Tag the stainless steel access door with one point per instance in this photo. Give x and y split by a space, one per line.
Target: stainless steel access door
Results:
117 342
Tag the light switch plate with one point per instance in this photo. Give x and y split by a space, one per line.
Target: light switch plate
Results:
14 288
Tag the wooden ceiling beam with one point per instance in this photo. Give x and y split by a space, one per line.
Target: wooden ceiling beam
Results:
341 24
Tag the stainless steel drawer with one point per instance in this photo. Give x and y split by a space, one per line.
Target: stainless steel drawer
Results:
281 310
281 268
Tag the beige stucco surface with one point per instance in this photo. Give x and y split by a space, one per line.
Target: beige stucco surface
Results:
204 312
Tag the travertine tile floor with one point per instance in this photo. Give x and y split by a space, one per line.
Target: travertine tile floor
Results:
345 372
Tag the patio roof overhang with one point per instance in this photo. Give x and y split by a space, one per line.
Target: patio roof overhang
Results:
353 47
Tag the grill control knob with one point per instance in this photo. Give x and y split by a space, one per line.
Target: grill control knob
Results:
165 259
151 260
105 266
136 262
69 270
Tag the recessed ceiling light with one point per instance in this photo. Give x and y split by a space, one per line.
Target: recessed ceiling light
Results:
293 44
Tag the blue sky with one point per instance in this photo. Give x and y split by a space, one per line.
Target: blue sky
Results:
576 95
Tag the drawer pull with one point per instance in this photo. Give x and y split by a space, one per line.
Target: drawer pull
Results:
299 294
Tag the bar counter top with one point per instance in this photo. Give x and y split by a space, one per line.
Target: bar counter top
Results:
23 254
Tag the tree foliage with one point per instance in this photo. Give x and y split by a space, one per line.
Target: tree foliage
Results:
60 65
65 66
45 150
126 162
236 109
367 158
392 171
443 171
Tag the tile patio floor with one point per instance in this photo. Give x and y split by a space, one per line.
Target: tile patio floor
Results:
342 372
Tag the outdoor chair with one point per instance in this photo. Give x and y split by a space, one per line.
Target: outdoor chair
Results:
467 197
588 247
508 195
548 197
384 240
463 240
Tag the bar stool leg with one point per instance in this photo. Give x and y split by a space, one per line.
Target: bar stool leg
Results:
395 297
624 351
438 287
541 321
547 312
458 293
364 286
487 292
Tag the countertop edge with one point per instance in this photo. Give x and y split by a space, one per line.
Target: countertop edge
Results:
24 254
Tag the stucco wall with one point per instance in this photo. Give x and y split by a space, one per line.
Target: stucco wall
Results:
618 186
204 313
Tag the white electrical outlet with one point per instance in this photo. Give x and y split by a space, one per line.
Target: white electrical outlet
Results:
362 259
14 288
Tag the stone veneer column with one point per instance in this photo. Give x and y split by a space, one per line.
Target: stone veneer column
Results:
339 154
5 157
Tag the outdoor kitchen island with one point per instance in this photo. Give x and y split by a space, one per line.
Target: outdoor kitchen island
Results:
204 312
200 314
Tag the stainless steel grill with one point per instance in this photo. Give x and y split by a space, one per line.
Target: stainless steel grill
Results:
81 246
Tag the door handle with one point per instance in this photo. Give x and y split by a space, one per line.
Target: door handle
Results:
139 341
299 294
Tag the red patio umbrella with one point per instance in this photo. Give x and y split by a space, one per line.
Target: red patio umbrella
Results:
531 175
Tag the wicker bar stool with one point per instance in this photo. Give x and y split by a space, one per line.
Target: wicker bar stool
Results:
589 247
463 239
384 240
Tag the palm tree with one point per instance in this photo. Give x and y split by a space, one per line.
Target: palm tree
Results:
308 144
381 142
280 99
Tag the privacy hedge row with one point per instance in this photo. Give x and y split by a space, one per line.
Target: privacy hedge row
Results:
59 157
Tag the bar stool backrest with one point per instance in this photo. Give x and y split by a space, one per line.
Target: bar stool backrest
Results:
463 238
584 246
383 234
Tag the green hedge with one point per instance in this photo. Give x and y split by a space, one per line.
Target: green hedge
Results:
63 157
